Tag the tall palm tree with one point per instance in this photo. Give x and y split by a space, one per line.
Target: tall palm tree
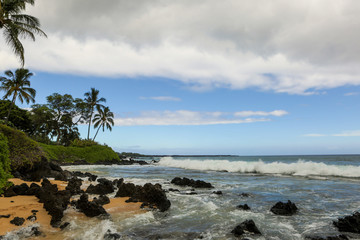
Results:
17 86
104 118
93 101
16 24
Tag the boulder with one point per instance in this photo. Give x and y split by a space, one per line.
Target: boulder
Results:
91 177
17 221
243 207
285 209
247 226
218 192
111 236
152 194
33 189
191 182
90 209
349 223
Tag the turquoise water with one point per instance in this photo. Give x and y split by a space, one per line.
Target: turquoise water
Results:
323 188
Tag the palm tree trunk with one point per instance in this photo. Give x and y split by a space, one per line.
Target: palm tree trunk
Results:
92 111
97 132
11 106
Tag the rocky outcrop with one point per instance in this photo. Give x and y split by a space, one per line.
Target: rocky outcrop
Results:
74 185
55 202
90 209
285 209
91 177
247 226
42 169
149 193
349 223
104 186
191 183
102 200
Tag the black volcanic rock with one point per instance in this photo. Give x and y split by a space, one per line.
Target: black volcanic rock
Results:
104 186
349 223
33 189
91 177
152 194
74 185
102 200
191 183
247 226
111 236
90 209
20 189
17 221
285 209
243 207
218 192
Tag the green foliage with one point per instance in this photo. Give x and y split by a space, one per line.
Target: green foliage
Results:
23 150
4 162
18 118
83 143
90 154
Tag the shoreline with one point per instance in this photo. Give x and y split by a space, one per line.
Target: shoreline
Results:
26 206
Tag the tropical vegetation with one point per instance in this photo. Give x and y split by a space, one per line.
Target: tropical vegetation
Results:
16 25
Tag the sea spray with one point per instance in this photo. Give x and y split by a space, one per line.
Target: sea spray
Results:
299 168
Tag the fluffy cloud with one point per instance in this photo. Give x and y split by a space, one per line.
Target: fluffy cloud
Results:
272 45
184 117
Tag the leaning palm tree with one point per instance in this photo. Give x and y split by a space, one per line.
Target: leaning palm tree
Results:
17 86
104 118
93 100
16 24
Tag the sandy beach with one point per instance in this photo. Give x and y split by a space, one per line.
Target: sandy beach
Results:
24 206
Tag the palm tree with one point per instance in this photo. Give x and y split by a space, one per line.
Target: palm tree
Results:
104 118
93 100
17 86
17 25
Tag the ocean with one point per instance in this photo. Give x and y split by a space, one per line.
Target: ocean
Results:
323 188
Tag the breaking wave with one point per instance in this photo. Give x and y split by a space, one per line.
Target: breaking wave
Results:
299 168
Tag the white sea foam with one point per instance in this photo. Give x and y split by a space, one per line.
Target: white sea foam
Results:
299 168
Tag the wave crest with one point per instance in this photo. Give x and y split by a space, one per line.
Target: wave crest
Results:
299 168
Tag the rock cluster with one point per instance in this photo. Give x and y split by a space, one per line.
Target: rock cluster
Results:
349 223
191 183
247 226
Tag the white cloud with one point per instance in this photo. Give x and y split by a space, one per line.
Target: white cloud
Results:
277 113
314 135
355 133
300 47
162 98
184 117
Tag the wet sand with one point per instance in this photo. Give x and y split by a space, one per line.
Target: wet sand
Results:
21 206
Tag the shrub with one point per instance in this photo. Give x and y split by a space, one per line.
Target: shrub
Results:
82 143
23 151
4 162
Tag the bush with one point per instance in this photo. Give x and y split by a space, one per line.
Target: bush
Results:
4 162
82 143
90 154
23 151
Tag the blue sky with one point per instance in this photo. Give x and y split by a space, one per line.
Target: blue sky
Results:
258 77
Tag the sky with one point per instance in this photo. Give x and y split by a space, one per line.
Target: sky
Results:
262 77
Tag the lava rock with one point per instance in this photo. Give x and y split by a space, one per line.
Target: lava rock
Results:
91 177
102 200
33 189
150 193
74 185
243 207
104 186
17 221
9 192
191 182
64 225
5 216
285 209
349 223
218 192
31 218
90 209
244 195
173 190
118 182
247 226
339 237
20 189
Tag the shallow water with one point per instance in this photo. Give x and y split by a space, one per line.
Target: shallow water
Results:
323 188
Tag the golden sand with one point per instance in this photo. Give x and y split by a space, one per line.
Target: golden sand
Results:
21 206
